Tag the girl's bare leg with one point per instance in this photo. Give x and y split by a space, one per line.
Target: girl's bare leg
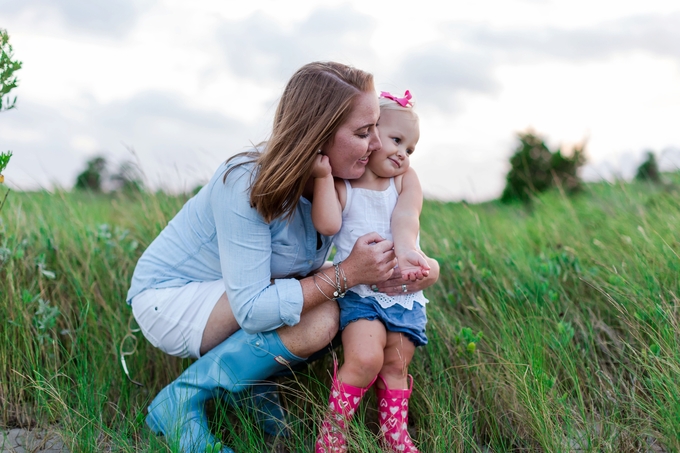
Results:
398 353
363 342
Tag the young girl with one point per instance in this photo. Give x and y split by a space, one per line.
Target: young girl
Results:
379 332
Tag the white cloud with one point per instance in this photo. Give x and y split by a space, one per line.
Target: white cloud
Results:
188 84
439 74
260 48
657 34
113 18
177 146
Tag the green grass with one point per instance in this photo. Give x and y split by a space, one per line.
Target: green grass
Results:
553 328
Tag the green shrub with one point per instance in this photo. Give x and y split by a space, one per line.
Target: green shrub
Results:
649 169
535 169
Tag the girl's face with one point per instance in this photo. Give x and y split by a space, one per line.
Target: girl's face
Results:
355 139
399 132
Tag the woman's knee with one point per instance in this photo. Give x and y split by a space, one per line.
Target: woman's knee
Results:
316 330
327 316
322 325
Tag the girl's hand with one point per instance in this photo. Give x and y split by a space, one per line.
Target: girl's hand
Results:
371 261
413 266
395 285
321 167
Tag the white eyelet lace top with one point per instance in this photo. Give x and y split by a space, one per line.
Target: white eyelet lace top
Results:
367 211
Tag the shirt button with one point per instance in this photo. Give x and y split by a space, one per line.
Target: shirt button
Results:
310 262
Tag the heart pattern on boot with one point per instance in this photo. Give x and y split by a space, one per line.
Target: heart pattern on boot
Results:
393 416
343 402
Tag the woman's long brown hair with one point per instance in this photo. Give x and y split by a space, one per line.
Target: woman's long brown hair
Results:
315 103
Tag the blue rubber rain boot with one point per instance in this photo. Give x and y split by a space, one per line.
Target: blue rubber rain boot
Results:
178 411
270 415
265 398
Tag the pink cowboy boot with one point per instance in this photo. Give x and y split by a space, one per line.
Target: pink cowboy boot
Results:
342 404
393 413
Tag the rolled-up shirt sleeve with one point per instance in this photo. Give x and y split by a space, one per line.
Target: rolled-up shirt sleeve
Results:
245 249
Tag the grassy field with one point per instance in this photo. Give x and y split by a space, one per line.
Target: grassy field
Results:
551 329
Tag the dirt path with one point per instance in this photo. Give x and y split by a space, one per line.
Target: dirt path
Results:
24 441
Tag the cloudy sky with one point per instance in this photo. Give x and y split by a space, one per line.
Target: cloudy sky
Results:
187 84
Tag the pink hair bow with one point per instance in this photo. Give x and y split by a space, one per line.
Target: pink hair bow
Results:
401 101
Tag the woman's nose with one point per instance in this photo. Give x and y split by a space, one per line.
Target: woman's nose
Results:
376 144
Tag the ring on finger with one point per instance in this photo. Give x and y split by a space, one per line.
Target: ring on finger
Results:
375 288
403 288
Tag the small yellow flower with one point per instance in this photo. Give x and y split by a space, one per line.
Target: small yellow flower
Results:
2 179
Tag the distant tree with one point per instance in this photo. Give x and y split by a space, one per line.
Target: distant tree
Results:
565 169
535 169
649 169
92 177
97 177
128 178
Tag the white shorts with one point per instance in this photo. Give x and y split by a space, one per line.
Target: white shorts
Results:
173 319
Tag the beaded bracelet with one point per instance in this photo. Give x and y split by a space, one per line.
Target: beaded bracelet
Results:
339 270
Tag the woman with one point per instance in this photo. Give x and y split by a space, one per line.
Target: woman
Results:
231 279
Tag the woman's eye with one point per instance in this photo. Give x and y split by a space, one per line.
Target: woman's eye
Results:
363 135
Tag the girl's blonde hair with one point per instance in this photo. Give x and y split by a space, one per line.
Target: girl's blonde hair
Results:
316 101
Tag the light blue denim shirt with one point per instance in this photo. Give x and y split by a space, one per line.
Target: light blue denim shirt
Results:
217 235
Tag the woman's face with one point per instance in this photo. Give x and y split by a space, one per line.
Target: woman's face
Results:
355 139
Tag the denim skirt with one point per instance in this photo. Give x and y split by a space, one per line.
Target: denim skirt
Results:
395 318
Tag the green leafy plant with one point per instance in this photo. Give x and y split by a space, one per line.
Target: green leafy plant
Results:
4 160
467 340
8 66
45 320
8 81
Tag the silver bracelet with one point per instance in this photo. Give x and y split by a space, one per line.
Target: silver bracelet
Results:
319 288
337 286
322 275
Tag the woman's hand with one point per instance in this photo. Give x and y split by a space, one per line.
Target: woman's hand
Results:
371 261
395 285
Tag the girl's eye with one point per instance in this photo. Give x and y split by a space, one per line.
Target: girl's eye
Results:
396 140
409 151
